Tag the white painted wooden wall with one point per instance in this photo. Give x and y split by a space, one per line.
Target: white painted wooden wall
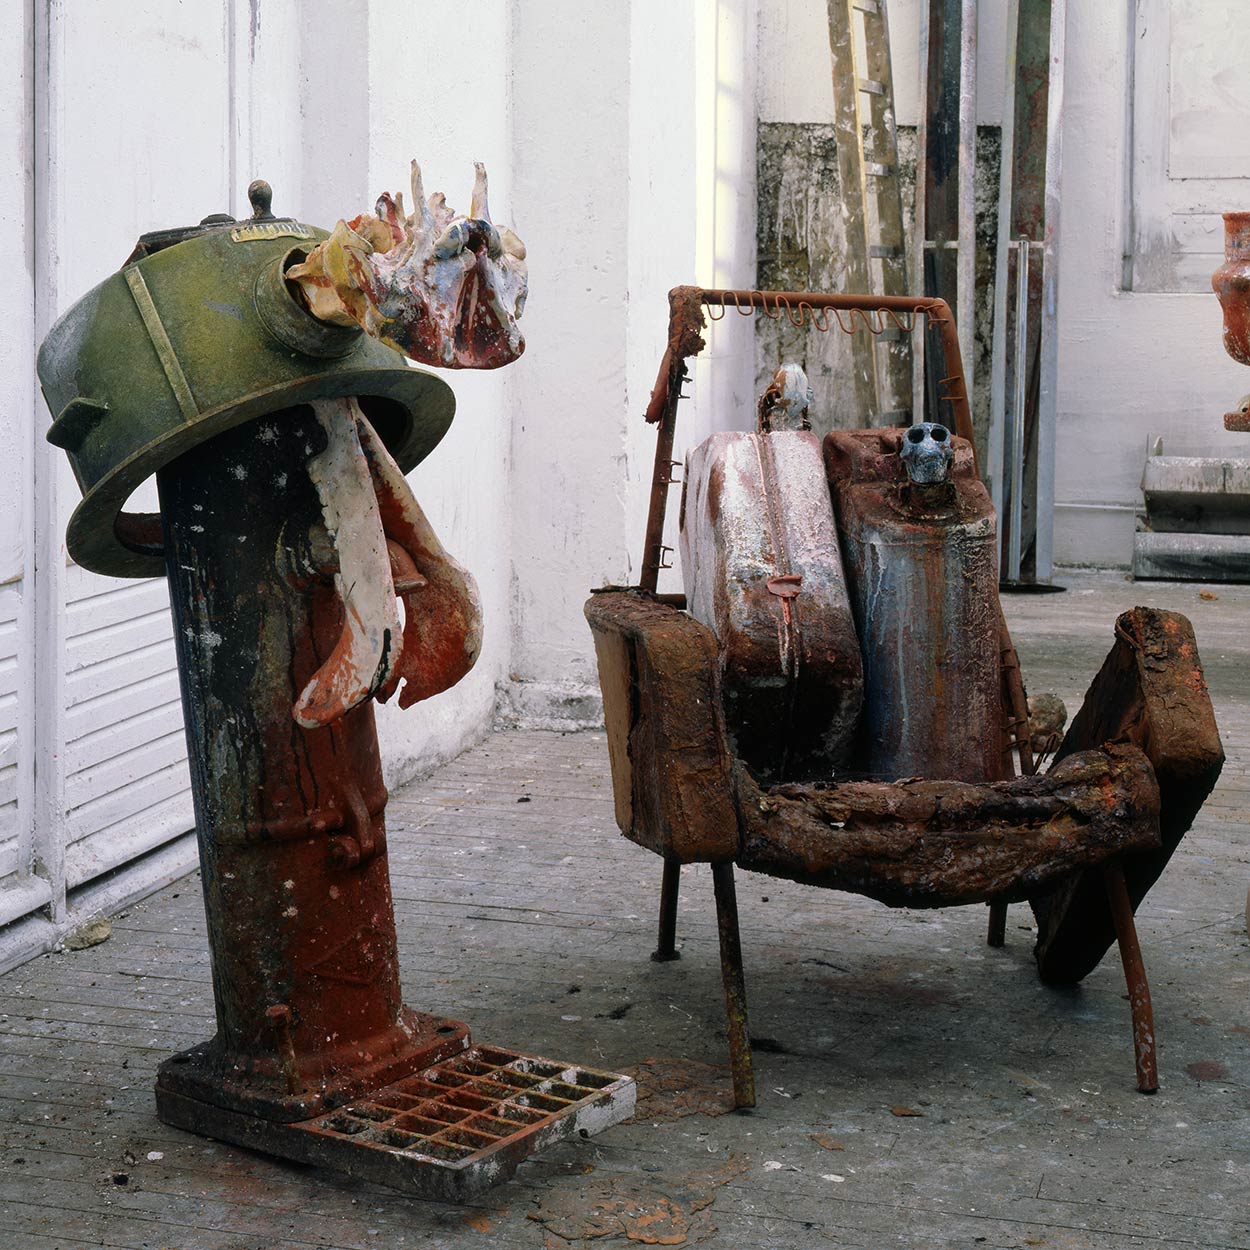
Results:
115 119
1190 139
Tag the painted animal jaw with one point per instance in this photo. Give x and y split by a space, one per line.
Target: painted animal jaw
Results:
384 548
445 289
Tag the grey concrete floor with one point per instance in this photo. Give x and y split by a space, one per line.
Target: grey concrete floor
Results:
534 921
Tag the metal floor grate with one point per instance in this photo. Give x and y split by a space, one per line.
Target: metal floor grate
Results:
473 1118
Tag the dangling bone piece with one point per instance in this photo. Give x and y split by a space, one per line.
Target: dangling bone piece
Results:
445 289
367 650
385 547
443 614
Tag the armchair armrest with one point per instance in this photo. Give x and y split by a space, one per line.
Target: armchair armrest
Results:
1150 692
671 768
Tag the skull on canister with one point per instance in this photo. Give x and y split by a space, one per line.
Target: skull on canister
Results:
926 453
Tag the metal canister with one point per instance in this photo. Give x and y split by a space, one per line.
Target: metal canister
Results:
918 545
762 569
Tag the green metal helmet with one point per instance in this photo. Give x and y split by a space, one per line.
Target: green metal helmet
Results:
199 332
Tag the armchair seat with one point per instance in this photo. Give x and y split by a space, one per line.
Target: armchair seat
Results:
1133 770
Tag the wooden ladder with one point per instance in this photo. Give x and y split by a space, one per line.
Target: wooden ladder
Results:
867 142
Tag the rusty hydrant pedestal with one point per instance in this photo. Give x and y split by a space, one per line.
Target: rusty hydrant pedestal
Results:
291 821
289 537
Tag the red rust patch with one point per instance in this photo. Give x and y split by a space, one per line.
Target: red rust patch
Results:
669 1089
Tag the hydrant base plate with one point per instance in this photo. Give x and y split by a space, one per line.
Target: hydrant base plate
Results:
447 1132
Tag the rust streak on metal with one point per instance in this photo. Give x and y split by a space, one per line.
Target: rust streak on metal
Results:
921 567
279 1017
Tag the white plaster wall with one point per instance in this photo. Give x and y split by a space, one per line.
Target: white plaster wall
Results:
571 153
448 111
1131 364
633 149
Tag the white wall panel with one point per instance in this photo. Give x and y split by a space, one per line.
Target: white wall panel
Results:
175 109
1190 127
17 894
11 674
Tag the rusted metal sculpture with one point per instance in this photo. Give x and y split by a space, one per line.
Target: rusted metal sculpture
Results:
1231 283
1082 844
287 531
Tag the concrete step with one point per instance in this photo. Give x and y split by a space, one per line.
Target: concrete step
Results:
1196 494
1191 557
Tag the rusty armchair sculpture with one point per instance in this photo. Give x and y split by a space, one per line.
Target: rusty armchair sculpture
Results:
1082 843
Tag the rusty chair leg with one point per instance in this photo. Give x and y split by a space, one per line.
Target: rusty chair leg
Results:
1144 1051
735 985
997 933
666 948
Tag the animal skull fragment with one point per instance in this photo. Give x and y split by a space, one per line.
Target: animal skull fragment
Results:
927 453
786 402
443 288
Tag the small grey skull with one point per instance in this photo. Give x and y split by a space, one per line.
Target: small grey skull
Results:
785 404
926 453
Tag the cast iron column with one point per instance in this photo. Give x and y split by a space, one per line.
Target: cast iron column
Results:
290 820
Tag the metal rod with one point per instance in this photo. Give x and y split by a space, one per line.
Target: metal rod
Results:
1019 392
997 933
919 234
936 311
653 544
996 439
666 947
735 985
966 287
1048 367
1145 1053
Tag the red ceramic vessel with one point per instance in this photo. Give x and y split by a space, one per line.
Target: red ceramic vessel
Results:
1231 282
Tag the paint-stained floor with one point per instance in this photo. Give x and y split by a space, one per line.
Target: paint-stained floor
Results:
917 1089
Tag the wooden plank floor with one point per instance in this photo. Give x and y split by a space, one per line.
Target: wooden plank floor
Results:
533 920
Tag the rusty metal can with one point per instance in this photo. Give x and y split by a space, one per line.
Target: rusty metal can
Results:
922 568
762 570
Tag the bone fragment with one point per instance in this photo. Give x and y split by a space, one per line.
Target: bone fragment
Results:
368 650
443 614
443 288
